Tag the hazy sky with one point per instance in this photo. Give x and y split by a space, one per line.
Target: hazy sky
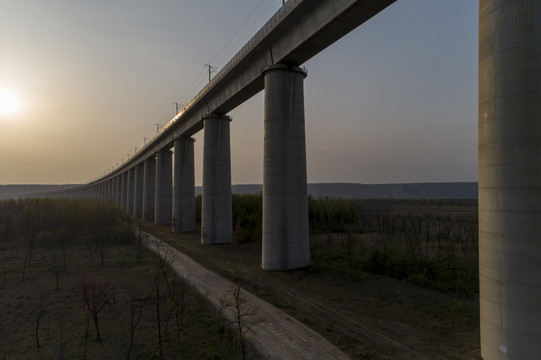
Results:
394 101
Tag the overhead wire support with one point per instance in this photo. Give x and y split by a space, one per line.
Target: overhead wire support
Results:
224 56
177 107
212 69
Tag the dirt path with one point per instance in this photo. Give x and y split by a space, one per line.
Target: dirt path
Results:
368 317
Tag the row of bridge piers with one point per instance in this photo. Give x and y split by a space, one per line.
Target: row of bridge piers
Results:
161 188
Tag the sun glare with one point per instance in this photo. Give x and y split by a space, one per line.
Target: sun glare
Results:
9 101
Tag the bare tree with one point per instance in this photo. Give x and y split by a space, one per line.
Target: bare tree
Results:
56 268
242 316
157 281
61 347
177 288
63 240
38 309
28 258
136 313
96 298
139 240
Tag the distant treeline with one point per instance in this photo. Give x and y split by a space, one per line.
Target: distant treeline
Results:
431 242
28 223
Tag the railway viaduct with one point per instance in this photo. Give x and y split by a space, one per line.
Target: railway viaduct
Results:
155 184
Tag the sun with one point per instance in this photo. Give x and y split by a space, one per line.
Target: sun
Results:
9 101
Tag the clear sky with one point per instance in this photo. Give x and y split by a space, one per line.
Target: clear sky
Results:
393 101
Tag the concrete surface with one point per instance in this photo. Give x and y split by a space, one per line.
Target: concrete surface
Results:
163 208
510 178
217 208
138 192
124 190
184 186
118 191
149 191
286 243
131 190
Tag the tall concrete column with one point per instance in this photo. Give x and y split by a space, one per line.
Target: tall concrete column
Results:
216 212
184 186
149 188
164 188
286 244
131 190
118 190
107 188
124 191
138 192
111 185
510 178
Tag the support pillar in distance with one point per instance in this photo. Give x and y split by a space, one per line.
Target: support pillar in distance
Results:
217 213
164 188
131 192
184 185
149 191
124 191
138 192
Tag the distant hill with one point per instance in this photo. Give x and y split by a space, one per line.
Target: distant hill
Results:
454 190
17 191
450 190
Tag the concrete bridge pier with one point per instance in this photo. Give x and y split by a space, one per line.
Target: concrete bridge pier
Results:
184 185
149 191
164 188
131 191
118 191
124 191
510 178
107 188
111 189
217 212
138 192
286 244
